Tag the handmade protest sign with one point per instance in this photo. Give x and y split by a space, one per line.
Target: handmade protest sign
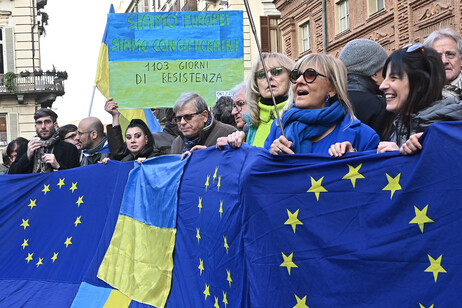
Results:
155 57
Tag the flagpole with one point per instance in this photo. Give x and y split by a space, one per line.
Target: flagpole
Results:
254 31
92 98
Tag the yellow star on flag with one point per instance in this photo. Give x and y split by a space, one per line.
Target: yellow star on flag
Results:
198 234
216 305
288 262
293 219
221 209
316 187
421 217
32 203
201 266
61 183
25 223
77 221
207 183
200 205
73 187
29 257
80 201
219 183
68 241
435 267
225 299
228 272
353 174
215 174
39 262
25 243
393 184
206 291
55 256
422 306
226 244
46 188
301 303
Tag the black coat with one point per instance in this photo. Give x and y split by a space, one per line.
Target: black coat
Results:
66 154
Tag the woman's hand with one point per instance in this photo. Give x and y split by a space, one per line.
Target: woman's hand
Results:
111 107
281 146
234 139
194 148
340 148
412 145
387 146
104 161
140 160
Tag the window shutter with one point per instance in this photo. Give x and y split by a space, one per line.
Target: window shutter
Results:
9 50
13 126
265 33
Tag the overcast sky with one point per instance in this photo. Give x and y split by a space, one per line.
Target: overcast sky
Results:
72 43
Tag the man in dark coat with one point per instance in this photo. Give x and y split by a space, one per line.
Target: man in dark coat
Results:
45 152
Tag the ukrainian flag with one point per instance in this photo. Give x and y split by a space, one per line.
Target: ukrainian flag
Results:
148 211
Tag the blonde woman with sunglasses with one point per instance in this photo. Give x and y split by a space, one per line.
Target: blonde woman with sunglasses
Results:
321 114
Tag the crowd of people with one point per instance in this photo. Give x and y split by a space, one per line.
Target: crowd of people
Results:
363 100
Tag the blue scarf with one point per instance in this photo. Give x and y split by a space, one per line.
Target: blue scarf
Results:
302 125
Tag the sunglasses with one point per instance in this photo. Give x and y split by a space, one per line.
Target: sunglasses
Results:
186 117
309 75
275 71
415 47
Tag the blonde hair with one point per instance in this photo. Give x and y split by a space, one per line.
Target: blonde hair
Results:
253 94
335 71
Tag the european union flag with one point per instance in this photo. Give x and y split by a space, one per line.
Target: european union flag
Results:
52 226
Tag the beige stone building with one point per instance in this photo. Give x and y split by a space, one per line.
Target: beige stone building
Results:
24 87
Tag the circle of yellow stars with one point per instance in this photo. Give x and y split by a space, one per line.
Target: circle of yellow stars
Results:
25 222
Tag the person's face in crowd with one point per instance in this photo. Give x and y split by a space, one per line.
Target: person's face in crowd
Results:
278 76
13 157
447 48
71 138
135 139
191 122
378 77
312 95
83 138
45 127
396 90
239 109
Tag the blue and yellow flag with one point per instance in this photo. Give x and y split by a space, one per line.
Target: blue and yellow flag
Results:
102 70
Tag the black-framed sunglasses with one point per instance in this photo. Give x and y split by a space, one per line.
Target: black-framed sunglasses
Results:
309 75
275 71
415 47
238 105
186 117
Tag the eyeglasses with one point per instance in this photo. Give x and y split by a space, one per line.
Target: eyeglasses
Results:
82 133
309 75
71 136
275 71
186 117
449 54
46 122
238 105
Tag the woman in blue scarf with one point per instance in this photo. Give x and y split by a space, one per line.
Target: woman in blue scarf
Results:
321 114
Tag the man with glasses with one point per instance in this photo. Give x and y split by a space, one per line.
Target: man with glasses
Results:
45 152
240 105
198 127
92 141
448 43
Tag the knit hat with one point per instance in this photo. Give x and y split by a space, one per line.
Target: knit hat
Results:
363 57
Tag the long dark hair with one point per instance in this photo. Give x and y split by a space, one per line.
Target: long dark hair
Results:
144 127
425 71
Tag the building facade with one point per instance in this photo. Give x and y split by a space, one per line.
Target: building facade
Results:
309 26
24 87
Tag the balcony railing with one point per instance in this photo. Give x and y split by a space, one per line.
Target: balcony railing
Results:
32 84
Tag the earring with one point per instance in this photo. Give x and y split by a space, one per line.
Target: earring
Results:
327 100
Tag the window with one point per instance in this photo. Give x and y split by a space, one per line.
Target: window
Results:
342 9
305 36
3 130
375 6
6 50
270 33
